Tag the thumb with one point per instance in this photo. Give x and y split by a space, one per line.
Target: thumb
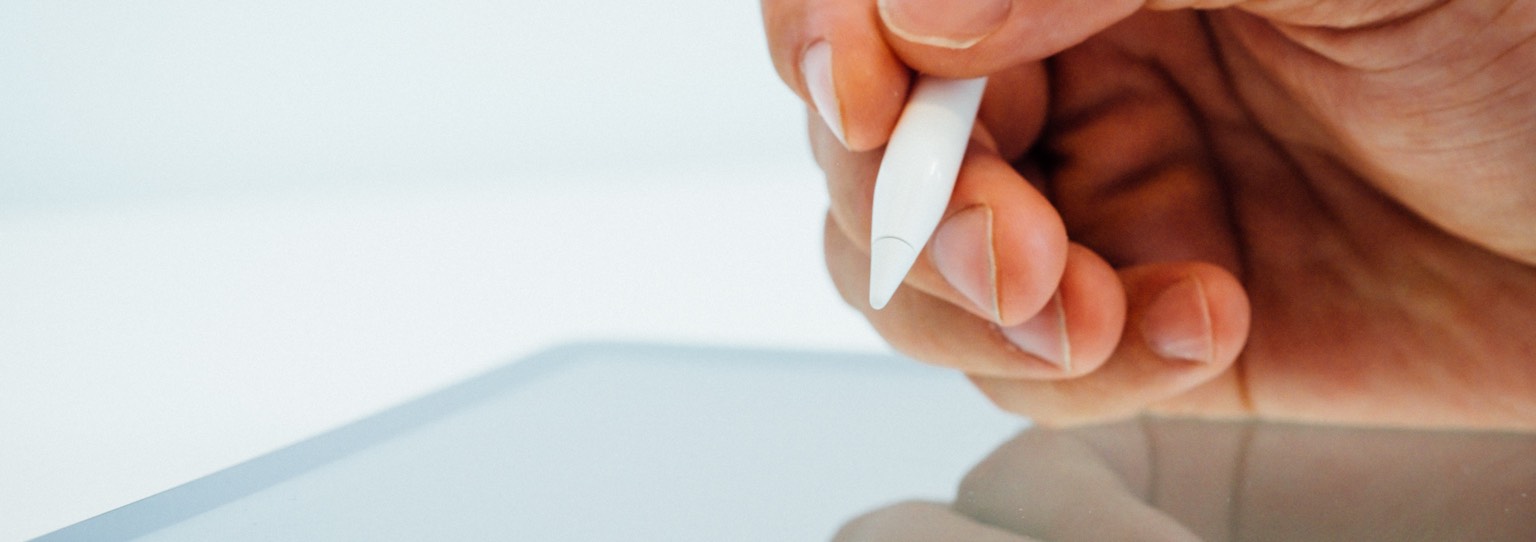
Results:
968 38
979 37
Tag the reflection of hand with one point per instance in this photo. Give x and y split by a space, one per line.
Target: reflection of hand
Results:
1356 179
1162 479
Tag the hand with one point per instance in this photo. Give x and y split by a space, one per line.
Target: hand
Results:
1308 210
1162 479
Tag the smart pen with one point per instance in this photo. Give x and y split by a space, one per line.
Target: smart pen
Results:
917 176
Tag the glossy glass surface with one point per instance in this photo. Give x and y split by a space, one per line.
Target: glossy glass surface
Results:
1172 479
636 442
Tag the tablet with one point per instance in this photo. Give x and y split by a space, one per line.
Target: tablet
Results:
604 442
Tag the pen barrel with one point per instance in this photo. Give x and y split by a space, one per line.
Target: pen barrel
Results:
922 160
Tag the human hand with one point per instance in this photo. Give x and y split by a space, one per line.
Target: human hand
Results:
1168 479
1320 211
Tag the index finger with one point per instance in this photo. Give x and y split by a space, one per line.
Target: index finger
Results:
831 53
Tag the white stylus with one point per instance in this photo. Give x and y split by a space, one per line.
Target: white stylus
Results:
917 177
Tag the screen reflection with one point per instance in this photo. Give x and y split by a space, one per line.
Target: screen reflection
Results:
1174 479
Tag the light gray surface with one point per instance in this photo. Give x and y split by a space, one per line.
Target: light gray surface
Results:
229 226
608 442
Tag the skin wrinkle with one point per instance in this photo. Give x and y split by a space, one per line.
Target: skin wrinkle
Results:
1138 177
1335 217
1337 214
1314 14
1340 193
1484 99
1460 98
1194 117
1495 132
1336 136
1287 153
1288 150
1163 98
1296 143
1202 123
1182 155
1502 13
1342 246
1487 99
1242 378
1235 38
1207 99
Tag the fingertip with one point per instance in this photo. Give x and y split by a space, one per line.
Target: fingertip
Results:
1177 323
1031 267
1135 377
816 68
1231 312
850 76
1001 248
1095 308
1025 241
1081 325
970 39
872 86
1200 315
942 23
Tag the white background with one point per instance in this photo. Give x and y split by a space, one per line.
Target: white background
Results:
227 226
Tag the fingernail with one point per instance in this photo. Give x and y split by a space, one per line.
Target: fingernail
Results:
1045 335
962 252
1177 324
944 23
816 67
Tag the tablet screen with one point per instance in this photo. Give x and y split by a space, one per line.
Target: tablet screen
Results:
605 442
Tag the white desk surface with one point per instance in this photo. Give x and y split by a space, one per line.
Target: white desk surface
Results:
225 228
149 346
